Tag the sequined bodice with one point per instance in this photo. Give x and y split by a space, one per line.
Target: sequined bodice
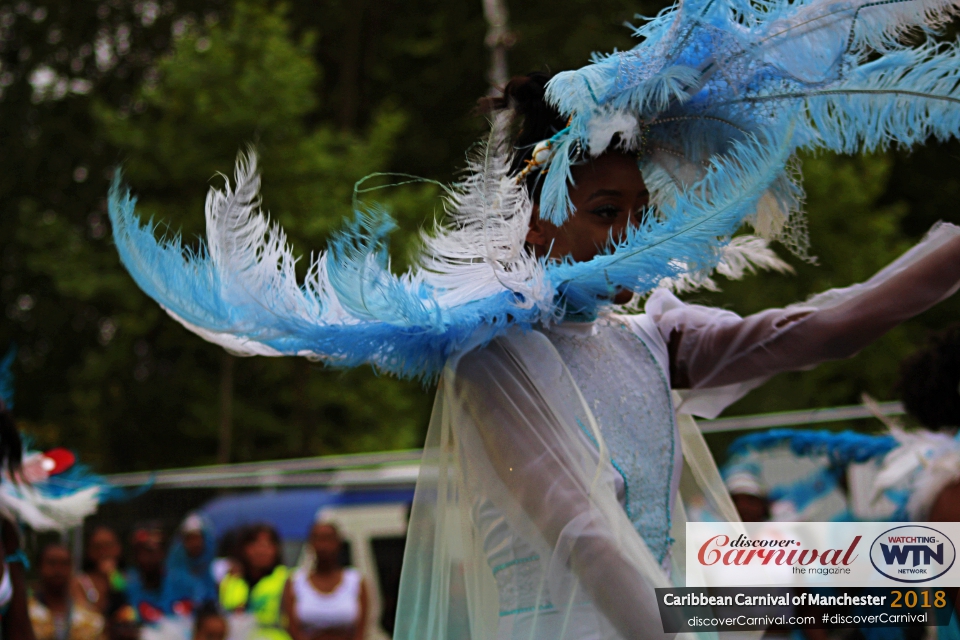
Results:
629 396
627 391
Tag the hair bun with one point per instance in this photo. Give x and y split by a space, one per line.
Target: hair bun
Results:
526 96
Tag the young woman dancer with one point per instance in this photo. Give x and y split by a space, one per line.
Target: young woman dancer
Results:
549 503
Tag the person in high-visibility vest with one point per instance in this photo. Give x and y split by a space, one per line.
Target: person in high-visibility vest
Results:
257 587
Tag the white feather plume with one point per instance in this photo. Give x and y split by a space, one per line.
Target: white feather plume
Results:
743 256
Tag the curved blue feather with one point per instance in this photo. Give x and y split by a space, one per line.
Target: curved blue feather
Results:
685 235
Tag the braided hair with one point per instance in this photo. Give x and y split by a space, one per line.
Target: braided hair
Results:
525 96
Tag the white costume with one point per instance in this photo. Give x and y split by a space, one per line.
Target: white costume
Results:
519 514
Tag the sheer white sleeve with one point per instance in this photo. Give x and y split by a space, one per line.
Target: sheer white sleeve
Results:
6 588
526 443
720 356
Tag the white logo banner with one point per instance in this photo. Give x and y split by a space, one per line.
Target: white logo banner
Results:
821 554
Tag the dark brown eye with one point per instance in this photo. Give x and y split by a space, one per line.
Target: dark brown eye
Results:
606 211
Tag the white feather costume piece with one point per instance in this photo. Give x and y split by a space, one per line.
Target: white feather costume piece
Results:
924 464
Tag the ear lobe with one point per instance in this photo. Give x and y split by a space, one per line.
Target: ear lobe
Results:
535 233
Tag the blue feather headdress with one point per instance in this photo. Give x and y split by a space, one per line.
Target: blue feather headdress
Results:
710 73
716 100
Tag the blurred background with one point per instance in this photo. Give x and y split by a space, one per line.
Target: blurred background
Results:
328 92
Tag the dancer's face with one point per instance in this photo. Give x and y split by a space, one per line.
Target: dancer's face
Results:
609 195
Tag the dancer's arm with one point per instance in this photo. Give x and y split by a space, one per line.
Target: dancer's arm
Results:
545 467
715 348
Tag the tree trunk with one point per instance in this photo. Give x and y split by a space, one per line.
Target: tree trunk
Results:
226 408
498 40
350 68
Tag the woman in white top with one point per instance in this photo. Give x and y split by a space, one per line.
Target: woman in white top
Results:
330 601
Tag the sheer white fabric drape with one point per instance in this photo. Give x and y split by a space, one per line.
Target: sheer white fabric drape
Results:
721 356
511 427
508 427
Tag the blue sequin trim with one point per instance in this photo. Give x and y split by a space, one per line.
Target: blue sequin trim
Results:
542 607
507 565
673 441
18 556
626 485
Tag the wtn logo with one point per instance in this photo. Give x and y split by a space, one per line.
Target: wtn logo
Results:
912 553
899 554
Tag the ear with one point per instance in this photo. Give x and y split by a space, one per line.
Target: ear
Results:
536 234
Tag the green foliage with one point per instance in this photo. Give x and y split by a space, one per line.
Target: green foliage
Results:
327 92
242 79
854 232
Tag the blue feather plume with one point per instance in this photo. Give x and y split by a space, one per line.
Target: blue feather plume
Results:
841 448
351 310
710 73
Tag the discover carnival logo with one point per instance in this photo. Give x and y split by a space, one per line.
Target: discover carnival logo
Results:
912 553
744 551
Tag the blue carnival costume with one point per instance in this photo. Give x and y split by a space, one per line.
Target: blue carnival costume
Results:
816 476
550 502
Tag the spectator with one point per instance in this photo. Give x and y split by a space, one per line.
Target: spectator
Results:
145 581
258 584
102 584
228 555
54 611
209 624
189 583
329 602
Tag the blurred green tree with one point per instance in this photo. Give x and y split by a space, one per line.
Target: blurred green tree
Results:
54 57
855 230
170 89
225 83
